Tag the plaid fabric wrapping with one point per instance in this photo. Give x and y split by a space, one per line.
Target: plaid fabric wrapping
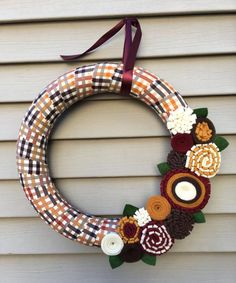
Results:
38 122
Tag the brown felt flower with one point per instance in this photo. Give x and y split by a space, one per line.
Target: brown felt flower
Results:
158 207
176 160
131 252
204 159
129 230
185 190
182 142
179 224
203 131
155 239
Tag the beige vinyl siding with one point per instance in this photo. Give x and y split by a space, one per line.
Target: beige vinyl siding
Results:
101 153
28 10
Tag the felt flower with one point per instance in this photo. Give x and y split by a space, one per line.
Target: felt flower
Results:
179 224
142 217
158 207
181 142
203 131
181 120
204 159
112 244
128 229
131 252
155 239
185 190
176 160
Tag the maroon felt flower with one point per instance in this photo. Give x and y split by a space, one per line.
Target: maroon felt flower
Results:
131 252
155 239
128 230
182 142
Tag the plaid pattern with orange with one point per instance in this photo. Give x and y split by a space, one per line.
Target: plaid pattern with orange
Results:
39 120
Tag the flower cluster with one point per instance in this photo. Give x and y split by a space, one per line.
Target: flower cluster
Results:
150 231
140 234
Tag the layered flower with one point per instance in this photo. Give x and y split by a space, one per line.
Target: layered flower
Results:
181 142
203 131
204 160
176 160
142 216
155 239
112 244
131 252
129 230
185 190
181 120
158 207
179 224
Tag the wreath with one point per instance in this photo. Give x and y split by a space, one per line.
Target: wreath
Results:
141 233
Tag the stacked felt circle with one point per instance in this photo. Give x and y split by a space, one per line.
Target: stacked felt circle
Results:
185 190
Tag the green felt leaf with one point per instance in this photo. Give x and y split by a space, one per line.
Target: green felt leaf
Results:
115 261
163 167
221 142
149 259
129 210
199 217
201 112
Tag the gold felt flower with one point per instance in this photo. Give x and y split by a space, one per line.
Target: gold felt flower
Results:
204 159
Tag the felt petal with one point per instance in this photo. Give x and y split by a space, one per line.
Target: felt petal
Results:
115 261
221 142
163 167
199 217
201 112
129 210
149 259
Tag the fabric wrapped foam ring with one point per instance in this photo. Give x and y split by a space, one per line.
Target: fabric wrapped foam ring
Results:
39 120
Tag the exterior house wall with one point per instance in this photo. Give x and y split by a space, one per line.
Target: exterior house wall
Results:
102 149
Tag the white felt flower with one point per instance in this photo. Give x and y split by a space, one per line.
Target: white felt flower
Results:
181 120
142 216
112 244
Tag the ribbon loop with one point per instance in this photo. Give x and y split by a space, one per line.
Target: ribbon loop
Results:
130 49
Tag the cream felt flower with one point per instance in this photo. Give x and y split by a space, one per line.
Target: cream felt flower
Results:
112 244
181 120
142 216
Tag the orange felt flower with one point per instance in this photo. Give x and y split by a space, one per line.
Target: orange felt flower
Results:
158 207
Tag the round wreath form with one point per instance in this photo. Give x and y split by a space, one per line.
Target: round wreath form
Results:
142 233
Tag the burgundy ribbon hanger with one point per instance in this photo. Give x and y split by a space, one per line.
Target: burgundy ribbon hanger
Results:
130 50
